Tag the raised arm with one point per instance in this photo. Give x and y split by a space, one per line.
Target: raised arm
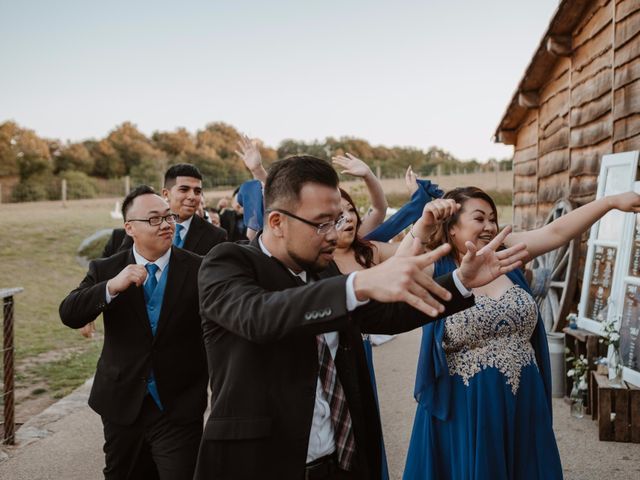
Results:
250 155
351 165
433 213
573 224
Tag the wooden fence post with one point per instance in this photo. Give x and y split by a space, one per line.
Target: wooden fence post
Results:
64 192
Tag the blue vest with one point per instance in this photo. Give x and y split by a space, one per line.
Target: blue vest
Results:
154 306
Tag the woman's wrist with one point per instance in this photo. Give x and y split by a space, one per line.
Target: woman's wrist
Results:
418 236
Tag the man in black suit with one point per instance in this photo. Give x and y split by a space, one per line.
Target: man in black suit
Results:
231 219
150 382
291 394
183 190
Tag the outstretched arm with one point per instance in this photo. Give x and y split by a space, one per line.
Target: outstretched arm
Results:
573 224
354 166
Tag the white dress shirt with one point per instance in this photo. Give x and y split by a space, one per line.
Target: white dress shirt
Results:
161 262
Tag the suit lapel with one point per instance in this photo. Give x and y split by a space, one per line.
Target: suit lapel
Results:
194 234
175 283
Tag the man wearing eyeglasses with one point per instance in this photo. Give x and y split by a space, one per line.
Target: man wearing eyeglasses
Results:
291 394
183 191
151 378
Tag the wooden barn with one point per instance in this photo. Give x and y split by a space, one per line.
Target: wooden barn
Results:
579 99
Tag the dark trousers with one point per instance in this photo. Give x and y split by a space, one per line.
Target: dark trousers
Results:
153 447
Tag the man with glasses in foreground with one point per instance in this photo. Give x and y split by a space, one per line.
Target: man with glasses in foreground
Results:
291 395
151 379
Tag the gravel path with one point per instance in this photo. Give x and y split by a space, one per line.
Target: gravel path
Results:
65 441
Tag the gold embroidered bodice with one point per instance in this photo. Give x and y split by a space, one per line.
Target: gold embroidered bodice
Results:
493 333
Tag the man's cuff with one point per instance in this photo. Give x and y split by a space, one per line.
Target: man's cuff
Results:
461 288
352 300
108 297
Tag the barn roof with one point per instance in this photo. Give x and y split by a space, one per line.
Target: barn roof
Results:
555 42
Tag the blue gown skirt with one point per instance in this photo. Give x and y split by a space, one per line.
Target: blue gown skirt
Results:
491 434
368 352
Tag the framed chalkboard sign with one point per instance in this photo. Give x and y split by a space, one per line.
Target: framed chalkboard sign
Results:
603 267
611 283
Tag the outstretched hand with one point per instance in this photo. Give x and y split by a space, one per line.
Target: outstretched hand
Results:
411 180
351 165
402 279
627 202
249 152
479 267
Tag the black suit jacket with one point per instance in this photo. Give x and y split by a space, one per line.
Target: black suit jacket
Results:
259 331
229 221
201 237
130 351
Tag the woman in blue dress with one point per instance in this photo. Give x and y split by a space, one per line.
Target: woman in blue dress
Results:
483 382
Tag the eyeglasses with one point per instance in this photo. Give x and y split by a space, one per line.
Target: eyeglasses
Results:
156 221
321 228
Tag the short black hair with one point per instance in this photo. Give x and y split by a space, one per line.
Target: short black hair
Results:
136 192
180 170
287 177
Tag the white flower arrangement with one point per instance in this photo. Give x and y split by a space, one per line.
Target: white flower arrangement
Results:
610 335
579 371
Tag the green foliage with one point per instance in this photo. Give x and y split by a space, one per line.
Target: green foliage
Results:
80 185
8 153
35 188
149 172
74 156
127 151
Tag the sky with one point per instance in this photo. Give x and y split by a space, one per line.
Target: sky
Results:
402 73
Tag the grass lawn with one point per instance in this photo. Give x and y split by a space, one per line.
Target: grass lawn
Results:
38 244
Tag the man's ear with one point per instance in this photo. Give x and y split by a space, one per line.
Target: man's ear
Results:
275 221
128 229
165 193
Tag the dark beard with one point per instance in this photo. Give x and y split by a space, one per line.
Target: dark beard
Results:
311 267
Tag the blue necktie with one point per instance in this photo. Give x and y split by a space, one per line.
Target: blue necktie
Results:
149 286
152 282
177 239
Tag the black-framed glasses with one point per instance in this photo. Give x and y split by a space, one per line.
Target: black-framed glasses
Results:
157 220
321 228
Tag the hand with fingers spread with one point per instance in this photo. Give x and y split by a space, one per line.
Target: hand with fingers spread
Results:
402 279
250 155
480 267
352 165
130 275
411 180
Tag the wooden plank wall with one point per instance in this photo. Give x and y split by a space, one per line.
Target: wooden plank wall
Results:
626 82
525 164
591 99
553 139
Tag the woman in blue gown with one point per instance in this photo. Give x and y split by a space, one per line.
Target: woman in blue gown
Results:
483 381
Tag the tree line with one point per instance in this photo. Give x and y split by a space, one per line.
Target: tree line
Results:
40 163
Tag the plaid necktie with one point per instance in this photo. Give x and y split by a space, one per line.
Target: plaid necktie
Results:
340 416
